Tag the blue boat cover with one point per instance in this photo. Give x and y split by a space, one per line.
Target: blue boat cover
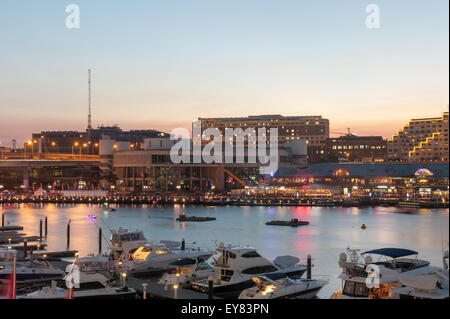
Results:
187 261
392 252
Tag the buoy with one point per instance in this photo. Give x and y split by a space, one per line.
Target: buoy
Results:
363 226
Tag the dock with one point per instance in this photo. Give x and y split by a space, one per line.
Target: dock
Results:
10 228
292 223
184 218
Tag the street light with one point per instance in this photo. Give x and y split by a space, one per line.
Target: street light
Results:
29 143
53 144
175 288
75 145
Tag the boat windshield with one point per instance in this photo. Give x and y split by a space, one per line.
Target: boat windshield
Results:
128 236
38 263
286 281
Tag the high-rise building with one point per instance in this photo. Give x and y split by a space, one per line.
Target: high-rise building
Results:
421 140
314 129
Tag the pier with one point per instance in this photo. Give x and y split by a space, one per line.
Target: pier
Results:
225 200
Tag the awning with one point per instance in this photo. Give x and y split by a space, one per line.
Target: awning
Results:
392 252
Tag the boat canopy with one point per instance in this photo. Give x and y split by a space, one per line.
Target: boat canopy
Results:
392 252
187 261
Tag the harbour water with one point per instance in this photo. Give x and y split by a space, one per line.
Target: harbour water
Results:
330 232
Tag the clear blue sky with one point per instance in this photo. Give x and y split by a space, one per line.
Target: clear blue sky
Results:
161 64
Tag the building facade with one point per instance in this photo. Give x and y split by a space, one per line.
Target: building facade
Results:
421 140
314 129
86 143
396 181
152 169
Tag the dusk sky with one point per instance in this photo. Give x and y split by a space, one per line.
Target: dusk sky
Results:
162 64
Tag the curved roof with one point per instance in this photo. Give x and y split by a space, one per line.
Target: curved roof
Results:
392 252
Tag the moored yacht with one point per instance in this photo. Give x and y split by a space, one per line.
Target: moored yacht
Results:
91 285
424 283
235 267
34 271
280 286
364 278
158 257
124 241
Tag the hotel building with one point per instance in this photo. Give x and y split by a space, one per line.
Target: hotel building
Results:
314 129
421 140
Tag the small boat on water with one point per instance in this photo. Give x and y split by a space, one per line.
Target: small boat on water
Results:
91 285
409 204
280 286
293 223
184 218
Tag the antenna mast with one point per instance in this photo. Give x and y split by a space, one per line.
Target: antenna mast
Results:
89 115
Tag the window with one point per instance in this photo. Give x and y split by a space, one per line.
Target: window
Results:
259 270
90 285
251 254
226 274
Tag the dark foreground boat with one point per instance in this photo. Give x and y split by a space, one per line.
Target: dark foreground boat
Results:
91 286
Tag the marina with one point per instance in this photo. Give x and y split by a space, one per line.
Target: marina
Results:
331 231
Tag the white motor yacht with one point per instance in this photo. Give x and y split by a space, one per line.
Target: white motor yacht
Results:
124 241
158 257
235 268
424 283
280 286
364 278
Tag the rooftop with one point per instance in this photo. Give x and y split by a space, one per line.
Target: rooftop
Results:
439 170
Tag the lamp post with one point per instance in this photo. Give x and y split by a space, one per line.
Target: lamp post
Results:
175 288
75 145
29 143
53 144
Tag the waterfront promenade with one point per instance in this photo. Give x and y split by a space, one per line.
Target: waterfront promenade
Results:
225 200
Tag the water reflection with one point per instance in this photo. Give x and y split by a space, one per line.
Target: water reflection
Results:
330 232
